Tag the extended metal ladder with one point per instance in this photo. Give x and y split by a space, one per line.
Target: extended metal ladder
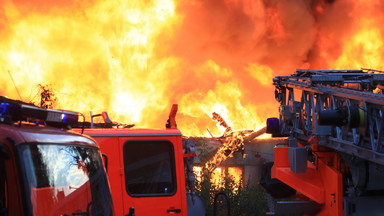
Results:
353 96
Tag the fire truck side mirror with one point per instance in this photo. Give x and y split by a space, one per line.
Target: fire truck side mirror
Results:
4 153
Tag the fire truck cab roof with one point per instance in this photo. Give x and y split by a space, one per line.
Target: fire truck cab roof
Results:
45 134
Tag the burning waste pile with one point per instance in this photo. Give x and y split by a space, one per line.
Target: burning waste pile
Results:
234 153
226 164
231 142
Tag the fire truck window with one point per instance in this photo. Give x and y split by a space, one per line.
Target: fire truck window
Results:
65 180
149 168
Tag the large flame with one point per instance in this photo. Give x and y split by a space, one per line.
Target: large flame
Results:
136 58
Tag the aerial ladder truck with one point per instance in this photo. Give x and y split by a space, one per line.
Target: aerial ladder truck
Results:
332 159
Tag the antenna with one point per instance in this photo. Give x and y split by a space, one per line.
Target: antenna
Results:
14 85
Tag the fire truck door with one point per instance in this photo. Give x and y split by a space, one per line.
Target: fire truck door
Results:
10 200
150 177
3 189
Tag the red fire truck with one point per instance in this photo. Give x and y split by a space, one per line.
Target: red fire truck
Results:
45 169
146 168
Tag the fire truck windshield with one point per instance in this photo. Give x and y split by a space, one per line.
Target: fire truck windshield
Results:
65 180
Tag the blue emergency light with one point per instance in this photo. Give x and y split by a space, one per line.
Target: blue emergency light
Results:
13 111
3 108
273 126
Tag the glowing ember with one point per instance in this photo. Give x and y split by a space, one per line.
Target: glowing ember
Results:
198 172
218 175
236 174
135 58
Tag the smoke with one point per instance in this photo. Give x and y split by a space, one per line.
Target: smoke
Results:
283 35
255 40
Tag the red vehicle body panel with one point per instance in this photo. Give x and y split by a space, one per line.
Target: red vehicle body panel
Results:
48 199
111 142
322 183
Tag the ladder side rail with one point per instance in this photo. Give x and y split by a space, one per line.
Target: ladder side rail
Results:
351 149
340 92
354 94
344 136
346 76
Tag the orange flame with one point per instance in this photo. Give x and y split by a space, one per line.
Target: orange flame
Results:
135 59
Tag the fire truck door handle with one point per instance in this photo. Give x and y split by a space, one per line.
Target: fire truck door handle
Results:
174 211
131 212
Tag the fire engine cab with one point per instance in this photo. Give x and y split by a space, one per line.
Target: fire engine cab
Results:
45 169
146 168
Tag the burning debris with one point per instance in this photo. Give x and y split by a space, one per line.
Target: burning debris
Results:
217 117
48 98
232 141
